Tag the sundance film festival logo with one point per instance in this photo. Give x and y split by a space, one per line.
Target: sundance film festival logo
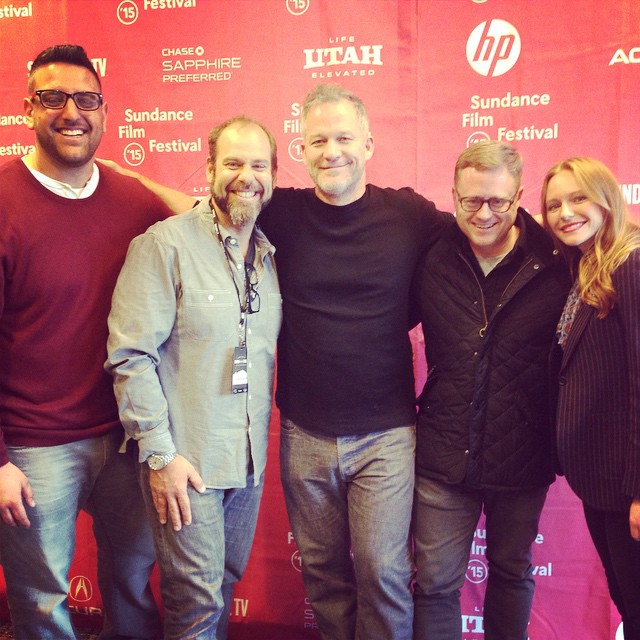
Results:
128 12
14 11
296 561
80 589
493 47
477 571
297 7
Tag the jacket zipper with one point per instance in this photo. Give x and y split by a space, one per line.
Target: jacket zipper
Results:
484 309
483 329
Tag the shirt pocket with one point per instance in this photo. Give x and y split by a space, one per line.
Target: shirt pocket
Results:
209 314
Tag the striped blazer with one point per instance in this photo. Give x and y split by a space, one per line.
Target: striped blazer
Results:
598 415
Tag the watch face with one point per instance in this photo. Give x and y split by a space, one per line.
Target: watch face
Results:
157 462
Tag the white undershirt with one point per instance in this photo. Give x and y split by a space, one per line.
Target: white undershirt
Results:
62 188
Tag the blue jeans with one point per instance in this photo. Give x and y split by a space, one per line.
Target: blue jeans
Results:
91 475
200 563
620 556
352 495
445 518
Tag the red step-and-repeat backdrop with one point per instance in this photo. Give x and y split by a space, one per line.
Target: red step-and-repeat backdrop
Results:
554 78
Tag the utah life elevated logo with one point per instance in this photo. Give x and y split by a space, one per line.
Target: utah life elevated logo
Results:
493 47
343 58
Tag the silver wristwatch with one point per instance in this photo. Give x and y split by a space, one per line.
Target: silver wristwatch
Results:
158 461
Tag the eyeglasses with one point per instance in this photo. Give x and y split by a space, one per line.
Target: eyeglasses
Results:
253 297
473 204
54 99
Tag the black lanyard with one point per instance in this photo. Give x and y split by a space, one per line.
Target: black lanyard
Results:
231 266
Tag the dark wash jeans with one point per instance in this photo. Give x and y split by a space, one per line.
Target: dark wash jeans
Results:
445 519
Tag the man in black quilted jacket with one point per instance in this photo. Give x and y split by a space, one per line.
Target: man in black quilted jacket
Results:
490 294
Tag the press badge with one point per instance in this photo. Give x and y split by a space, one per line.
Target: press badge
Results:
239 379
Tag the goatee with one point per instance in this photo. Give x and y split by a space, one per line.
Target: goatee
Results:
239 213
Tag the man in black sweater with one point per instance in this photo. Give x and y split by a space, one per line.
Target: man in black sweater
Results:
346 252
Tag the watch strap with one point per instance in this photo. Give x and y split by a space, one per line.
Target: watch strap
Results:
157 461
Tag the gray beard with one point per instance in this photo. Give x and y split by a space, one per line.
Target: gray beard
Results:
240 214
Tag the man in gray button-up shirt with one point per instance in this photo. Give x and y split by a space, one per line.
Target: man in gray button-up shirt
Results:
193 330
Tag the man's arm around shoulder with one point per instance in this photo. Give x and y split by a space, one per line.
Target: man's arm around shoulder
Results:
175 200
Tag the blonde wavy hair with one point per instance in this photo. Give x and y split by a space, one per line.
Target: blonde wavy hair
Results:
614 241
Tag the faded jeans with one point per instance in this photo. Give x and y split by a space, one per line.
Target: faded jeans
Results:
349 502
200 564
91 475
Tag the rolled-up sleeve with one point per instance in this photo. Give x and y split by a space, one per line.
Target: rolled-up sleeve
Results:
142 316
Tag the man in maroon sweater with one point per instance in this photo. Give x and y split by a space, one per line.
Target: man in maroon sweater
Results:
65 226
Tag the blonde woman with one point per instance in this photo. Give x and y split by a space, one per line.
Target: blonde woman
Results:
598 418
